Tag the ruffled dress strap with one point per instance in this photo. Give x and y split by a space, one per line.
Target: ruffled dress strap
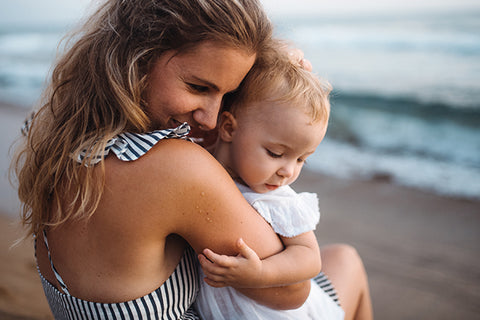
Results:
131 146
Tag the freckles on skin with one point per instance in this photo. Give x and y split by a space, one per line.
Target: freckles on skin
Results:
202 211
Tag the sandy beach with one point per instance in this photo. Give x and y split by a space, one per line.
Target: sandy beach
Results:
421 251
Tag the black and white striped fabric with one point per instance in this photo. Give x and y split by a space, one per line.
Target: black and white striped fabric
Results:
131 146
173 300
326 285
57 275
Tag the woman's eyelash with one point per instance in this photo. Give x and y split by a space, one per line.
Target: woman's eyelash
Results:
198 88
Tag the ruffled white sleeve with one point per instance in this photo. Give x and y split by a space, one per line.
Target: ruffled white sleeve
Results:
289 213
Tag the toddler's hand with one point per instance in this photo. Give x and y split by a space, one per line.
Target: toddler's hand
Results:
241 271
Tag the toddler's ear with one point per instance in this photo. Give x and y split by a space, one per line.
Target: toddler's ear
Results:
228 124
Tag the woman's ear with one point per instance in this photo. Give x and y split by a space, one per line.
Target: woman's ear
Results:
227 126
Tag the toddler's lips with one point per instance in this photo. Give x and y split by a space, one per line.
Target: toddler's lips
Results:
271 187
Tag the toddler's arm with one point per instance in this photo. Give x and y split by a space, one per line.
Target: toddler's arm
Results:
299 261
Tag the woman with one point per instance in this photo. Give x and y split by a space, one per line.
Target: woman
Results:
115 214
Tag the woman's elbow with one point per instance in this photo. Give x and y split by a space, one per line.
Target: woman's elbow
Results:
295 298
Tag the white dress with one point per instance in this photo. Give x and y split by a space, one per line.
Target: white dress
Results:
289 214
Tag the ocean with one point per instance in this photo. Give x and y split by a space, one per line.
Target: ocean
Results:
406 99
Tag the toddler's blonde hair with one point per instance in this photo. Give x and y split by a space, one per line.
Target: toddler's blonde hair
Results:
278 78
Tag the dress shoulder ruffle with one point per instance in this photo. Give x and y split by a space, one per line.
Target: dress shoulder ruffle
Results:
131 146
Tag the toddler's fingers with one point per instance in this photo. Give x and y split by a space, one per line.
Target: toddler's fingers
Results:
209 268
221 260
245 250
306 64
296 57
204 262
216 277
215 284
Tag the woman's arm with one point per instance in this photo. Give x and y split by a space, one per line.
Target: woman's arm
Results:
200 202
298 262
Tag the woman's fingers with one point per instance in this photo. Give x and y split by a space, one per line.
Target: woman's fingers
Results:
297 57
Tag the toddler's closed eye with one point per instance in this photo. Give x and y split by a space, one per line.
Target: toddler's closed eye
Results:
273 154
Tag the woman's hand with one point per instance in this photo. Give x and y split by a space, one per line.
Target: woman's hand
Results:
296 56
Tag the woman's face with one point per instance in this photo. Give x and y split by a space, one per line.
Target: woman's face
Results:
189 86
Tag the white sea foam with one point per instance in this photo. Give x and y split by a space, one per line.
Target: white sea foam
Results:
347 161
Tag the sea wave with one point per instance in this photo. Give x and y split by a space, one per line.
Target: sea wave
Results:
403 140
372 39
430 58
435 32
402 126
413 106
344 160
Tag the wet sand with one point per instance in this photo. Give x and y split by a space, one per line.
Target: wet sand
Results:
421 251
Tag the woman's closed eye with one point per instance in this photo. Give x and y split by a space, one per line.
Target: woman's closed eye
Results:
198 88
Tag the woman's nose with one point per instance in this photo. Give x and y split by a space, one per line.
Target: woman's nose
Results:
207 116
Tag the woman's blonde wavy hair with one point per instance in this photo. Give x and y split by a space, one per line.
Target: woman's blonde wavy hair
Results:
96 92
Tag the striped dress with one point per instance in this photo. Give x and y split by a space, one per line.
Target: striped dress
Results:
173 299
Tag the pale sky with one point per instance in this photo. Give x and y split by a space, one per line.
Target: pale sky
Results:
66 11
319 7
41 11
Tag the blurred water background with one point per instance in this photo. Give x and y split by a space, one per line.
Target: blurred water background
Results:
406 99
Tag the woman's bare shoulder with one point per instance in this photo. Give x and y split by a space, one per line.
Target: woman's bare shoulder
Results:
170 157
181 163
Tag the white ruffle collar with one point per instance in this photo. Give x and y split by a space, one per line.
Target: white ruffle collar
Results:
289 213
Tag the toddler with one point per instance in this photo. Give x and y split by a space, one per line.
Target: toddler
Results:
265 134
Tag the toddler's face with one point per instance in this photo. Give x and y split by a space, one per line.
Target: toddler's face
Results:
271 143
